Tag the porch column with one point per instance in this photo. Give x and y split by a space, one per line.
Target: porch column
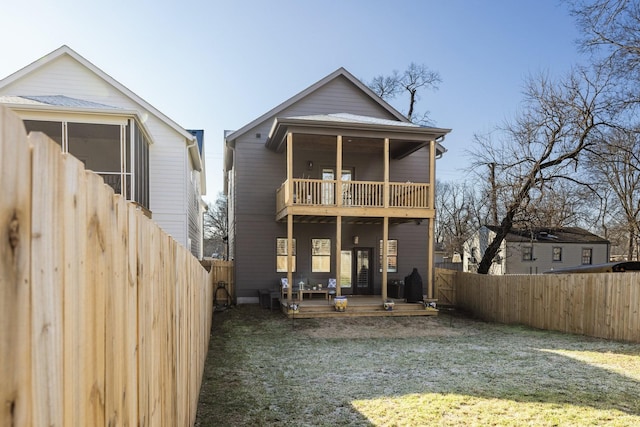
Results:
289 190
338 252
385 190
385 221
432 192
289 257
338 183
385 239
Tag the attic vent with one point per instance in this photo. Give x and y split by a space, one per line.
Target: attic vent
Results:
258 135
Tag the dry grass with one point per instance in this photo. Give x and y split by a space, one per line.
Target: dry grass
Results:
266 370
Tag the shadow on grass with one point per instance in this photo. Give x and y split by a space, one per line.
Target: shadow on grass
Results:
263 369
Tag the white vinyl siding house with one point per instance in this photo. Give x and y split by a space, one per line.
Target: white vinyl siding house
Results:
171 154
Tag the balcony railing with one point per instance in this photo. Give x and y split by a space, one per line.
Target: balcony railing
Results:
318 192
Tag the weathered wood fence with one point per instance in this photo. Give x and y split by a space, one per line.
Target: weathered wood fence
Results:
104 318
605 305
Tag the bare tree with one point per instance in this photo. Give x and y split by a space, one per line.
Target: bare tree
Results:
415 79
610 30
544 143
616 163
457 205
216 227
560 203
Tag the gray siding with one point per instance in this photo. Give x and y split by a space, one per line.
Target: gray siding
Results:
337 96
258 173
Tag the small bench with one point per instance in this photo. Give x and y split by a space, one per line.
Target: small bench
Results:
314 291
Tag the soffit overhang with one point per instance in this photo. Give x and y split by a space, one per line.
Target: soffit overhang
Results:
405 138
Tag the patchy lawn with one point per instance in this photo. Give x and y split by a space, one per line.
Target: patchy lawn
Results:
264 370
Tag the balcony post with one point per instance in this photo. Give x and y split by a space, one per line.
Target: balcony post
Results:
289 201
385 190
289 191
338 182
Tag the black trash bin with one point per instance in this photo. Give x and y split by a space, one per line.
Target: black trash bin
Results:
395 289
413 287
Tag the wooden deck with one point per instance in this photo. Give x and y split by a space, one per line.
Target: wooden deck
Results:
358 306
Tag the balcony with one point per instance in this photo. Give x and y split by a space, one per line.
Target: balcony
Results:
317 199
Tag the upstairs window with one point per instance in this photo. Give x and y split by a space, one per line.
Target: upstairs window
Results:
587 256
527 253
556 255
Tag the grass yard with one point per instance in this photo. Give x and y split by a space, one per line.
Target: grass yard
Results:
265 370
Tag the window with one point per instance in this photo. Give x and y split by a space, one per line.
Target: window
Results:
527 253
557 254
587 256
281 255
392 256
321 255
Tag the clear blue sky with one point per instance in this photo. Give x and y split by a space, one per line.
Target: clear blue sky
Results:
218 65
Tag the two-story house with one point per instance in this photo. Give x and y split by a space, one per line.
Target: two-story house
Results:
536 250
332 183
141 153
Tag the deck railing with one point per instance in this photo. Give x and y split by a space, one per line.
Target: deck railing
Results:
352 194
408 195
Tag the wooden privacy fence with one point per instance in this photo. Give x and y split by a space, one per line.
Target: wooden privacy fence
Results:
223 280
104 318
605 305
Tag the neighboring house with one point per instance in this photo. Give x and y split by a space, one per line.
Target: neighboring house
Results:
141 153
327 185
536 250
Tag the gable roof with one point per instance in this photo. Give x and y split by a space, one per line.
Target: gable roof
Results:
66 50
340 72
551 235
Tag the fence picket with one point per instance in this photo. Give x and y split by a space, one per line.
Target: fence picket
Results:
46 297
15 277
74 223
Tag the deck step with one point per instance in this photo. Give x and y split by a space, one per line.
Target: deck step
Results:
360 313
372 308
